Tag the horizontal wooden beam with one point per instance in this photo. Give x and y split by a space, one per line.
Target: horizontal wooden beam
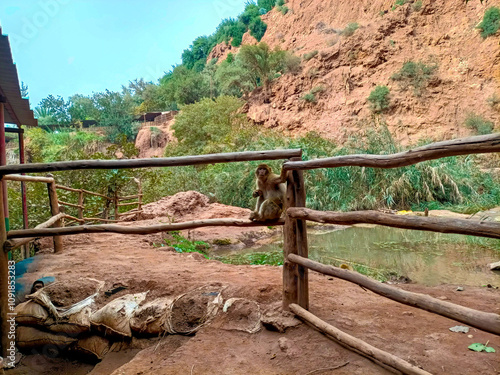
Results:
136 230
14 244
489 322
18 177
360 346
150 162
70 204
127 204
471 145
68 189
129 197
432 224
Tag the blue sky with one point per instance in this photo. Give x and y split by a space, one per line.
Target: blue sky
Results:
64 47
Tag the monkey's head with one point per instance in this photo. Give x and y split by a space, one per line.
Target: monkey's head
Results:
263 170
37 285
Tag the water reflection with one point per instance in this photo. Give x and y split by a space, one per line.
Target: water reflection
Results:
425 257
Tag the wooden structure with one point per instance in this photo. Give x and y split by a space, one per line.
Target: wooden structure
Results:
297 264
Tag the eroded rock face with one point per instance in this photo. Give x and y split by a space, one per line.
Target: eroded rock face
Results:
346 69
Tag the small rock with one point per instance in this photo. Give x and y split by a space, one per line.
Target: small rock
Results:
284 343
470 336
274 319
408 313
443 298
460 289
460 329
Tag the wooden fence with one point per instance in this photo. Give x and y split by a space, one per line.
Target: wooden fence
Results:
58 213
297 264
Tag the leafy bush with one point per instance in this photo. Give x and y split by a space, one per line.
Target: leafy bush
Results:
494 101
479 124
283 9
250 13
308 56
309 97
257 28
379 99
350 29
280 3
415 74
490 23
266 4
208 126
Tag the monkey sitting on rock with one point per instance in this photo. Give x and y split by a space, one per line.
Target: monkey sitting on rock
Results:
270 194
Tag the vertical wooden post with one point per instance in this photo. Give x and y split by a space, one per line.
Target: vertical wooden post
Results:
139 205
54 210
4 282
25 248
117 214
302 247
295 277
290 269
3 161
80 203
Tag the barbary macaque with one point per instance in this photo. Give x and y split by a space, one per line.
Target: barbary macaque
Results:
270 193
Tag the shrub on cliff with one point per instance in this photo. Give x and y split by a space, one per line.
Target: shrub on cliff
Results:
491 22
379 99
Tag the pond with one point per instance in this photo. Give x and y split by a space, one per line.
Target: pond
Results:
424 257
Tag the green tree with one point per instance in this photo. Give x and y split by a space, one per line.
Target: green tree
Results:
250 13
266 4
57 108
234 79
257 28
185 86
116 112
263 64
24 90
209 125
82 108
44 116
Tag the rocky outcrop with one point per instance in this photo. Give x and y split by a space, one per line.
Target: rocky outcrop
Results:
347 68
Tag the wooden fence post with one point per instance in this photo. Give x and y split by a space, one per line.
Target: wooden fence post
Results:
4 282
80 208
117 214
139 204
302 247
295 278
54 210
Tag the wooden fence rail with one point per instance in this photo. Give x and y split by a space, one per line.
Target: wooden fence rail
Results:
433 224
358 345
110 228
154 162
489 322
464 146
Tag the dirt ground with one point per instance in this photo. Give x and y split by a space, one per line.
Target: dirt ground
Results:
422 338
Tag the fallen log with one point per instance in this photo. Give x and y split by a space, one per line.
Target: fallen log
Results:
489 322
361 346
432 224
